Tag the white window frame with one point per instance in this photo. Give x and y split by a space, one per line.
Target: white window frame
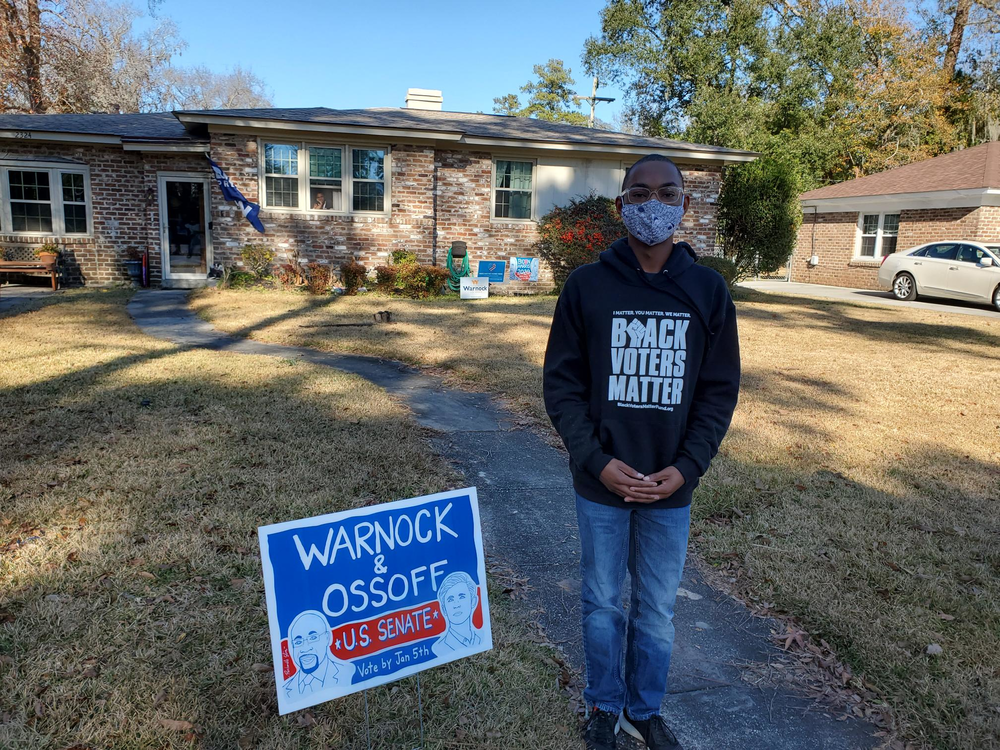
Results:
55 171
493 190
297 176
878 234
346 177
384 180
344 192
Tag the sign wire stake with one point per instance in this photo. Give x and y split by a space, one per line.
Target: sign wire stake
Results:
368 730
420 712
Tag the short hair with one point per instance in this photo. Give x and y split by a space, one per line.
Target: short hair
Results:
308 613
648 158
454 579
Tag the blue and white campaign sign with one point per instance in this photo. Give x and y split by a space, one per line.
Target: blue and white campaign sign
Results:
364 597
494 270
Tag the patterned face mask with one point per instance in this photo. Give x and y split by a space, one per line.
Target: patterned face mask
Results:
651 222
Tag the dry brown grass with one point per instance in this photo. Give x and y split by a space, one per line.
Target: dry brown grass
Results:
859 486
133 475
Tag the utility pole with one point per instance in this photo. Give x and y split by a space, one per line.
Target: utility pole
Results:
594 99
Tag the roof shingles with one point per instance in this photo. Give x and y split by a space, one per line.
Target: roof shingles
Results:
971 168
167 126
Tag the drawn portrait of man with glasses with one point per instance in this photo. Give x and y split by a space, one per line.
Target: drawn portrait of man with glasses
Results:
309 639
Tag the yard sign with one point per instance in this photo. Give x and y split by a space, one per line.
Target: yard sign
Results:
364 597
523 269
474 287
494 270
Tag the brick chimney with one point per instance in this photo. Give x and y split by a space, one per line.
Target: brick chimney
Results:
423 99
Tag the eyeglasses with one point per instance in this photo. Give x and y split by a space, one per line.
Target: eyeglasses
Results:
299 640
669 194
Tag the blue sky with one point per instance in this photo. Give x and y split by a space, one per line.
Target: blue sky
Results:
366 54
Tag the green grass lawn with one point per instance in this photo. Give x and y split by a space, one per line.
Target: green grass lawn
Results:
858 489
133 476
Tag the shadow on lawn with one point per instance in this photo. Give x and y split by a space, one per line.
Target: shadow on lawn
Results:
147 488
836 315
872 572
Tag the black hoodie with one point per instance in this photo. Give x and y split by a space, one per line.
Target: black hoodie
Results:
642 367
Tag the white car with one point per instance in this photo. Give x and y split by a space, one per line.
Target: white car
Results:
957 269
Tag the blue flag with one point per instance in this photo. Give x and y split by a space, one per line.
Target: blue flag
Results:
230 193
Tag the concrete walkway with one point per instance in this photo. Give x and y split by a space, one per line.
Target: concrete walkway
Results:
529 526
872 297
14 295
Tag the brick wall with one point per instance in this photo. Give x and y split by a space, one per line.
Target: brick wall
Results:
988 229
123 206
836 232
118 215
698 228
917 226
437 197
831 236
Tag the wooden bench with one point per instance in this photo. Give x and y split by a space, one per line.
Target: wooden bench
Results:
31 266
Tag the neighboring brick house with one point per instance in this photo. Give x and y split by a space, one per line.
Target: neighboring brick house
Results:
849 227
332 185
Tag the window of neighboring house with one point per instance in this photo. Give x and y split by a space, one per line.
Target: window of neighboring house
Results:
50 201
281 169
310 177
512 189
368 178
879 233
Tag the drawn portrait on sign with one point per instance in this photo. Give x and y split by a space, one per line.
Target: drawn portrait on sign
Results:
316 669
458 599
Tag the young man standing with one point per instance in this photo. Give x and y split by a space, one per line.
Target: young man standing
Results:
641 378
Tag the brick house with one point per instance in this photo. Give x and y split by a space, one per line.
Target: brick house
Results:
332 185
849 227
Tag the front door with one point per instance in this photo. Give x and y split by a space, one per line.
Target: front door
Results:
973 280
185 236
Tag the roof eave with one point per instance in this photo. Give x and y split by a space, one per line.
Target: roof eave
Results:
694 153
316 127
50 136
165 146
960 198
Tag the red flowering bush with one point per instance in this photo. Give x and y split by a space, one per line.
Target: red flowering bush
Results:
575 234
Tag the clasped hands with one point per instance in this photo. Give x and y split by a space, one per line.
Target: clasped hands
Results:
636 487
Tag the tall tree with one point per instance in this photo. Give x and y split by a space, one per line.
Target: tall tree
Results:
551 96
200 88
843 86
88 56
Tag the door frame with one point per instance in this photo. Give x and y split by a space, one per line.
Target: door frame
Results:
161 180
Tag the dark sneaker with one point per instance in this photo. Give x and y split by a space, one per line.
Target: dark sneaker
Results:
601 730
653 731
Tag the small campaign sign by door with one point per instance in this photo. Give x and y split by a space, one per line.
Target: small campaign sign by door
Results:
367 596
473 287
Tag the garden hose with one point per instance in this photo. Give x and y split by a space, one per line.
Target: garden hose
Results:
455 279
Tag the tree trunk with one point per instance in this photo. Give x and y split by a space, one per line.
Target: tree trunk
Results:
962 9
32 51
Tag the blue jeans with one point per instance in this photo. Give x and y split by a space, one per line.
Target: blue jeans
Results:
652 545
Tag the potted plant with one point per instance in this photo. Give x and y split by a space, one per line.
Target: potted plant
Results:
133 264
47 253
